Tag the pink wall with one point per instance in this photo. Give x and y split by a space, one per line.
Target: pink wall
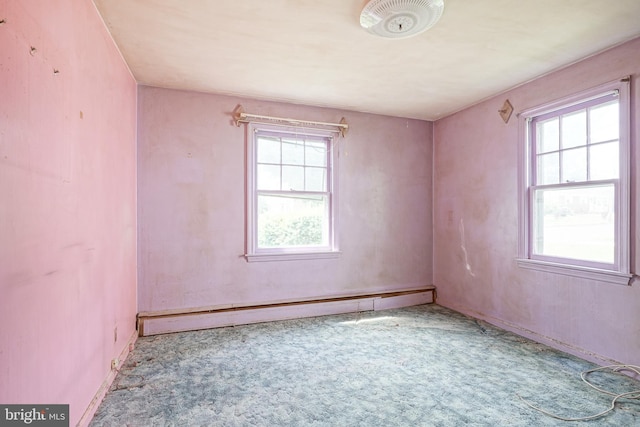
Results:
475 187
67 216
191 206
68 229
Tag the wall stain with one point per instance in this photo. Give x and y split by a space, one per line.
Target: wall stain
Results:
464 249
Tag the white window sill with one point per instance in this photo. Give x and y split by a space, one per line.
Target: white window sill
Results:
576 271
291 256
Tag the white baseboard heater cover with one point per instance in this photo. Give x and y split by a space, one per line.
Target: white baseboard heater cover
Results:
162 322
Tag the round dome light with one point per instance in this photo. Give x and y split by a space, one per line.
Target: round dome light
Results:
400 18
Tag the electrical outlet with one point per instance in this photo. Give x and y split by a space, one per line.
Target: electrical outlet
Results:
114 363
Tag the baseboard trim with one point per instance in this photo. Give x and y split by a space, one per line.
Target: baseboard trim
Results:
102 391
161 322
534 336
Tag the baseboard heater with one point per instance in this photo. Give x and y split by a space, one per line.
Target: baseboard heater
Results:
162 322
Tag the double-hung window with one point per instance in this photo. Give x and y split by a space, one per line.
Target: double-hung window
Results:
291 194
574 185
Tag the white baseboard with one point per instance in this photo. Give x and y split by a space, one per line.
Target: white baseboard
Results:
189 320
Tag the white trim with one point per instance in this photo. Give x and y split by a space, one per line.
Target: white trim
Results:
582 272
578 98
624 197
620 273
250 214
524 173
291 256
252 252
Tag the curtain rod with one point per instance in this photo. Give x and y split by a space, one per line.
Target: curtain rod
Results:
239 116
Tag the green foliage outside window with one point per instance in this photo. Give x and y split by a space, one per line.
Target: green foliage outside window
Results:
289 229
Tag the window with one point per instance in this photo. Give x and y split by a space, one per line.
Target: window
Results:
291 194
574 185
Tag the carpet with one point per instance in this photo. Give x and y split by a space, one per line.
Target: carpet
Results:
416 366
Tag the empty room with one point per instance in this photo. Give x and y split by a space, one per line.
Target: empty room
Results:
319 212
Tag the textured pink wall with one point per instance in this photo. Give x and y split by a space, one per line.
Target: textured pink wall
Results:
67 216
191 206
475 187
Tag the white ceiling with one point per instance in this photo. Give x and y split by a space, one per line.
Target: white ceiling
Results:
314 52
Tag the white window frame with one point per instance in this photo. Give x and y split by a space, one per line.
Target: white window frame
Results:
619 271
254 253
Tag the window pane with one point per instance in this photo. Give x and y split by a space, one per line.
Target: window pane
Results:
548 169
268 150
316 153
292 152
576 223
574 165
548 133
574 129
299 220
604 161
316 179
268 177
293 178
605 122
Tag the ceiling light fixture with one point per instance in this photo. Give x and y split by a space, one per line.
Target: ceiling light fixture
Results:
400 18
